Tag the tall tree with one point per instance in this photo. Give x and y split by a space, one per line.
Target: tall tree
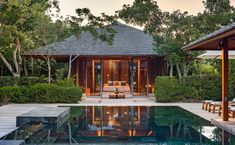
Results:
18 22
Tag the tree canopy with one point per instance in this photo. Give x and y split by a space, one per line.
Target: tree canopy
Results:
27 24
173 30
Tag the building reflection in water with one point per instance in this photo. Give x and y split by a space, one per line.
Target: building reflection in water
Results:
146 124
116 121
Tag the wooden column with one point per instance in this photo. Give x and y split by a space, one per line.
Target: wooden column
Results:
77 73
225 80
132 76
86 75
147 78
101 77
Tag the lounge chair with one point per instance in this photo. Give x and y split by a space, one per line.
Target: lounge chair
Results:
231 111
205 104
214 105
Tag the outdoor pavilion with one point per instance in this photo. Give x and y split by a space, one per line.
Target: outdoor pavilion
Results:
224 40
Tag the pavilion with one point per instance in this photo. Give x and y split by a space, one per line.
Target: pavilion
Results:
223 40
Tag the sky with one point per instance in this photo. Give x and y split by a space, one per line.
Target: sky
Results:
110 6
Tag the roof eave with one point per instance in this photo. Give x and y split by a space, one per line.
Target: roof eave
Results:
198 43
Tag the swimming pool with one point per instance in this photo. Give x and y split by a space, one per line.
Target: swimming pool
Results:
138 124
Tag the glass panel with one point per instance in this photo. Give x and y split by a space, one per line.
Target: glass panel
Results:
93 77
89 76
82 74
134 65
96 77
116 76
143 77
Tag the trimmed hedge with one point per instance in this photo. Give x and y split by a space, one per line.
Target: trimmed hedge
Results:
21 81
170 89
40 93
190 89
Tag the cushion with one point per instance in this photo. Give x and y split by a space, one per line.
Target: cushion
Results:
232 108
123 83
110 83
216 103
117 83
208 101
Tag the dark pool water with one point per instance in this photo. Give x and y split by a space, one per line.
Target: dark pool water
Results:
162 125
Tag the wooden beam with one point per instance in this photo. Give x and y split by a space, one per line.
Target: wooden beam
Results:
225 90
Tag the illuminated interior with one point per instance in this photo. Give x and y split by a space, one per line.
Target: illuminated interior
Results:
130 76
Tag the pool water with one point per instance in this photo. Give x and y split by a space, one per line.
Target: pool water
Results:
138 124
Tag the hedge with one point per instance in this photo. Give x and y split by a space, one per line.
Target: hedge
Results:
40 93
190 89
21 81
169 89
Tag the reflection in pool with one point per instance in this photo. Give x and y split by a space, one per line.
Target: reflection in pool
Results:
167 125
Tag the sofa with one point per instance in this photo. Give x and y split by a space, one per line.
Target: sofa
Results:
111 86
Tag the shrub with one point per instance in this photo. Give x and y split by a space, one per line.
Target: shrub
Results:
208 87
9 93
188 89
20 81
40 93
66 82
167 89
49 93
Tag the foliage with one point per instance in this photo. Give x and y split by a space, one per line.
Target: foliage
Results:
26 24
144 13
21 81
208 87
40 93
66 82
166 88
18 22
174 30
50 93
7 93
189 89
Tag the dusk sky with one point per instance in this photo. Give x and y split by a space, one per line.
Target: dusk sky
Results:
110 6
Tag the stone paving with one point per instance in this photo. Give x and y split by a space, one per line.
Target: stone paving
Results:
8 115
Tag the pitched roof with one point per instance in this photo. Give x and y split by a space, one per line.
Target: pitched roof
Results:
127 41
213 39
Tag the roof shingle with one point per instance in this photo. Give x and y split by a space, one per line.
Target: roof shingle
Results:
127 41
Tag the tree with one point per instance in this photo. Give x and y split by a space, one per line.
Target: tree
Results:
18 21
85 21
170 31
217 6
145 13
